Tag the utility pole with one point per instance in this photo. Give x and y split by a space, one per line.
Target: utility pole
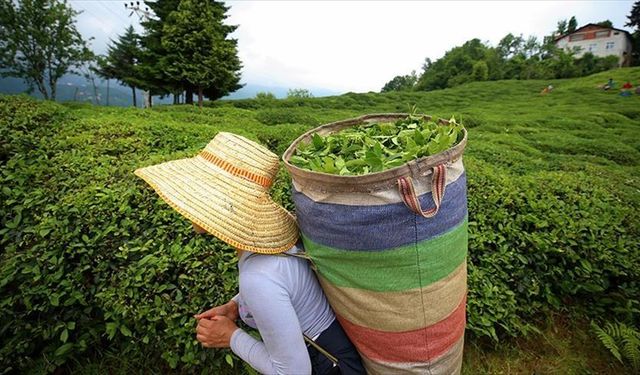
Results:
143 15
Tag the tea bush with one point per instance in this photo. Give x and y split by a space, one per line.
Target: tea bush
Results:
91 258
93 262
277 116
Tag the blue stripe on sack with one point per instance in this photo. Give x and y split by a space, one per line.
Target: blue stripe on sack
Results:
379 227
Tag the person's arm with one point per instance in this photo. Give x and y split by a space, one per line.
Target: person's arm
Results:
282 350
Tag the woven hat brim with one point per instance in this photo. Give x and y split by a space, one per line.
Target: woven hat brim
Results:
237 211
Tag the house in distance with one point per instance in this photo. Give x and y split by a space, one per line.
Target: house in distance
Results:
601 41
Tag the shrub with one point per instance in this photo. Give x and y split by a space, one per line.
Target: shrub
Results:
299 93
265 96
550 240
91 257
276 116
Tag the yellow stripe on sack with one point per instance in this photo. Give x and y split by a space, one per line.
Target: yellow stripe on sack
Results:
402 310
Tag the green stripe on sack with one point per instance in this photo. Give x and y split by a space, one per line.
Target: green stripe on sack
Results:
401 268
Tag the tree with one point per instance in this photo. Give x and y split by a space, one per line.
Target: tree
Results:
634 16
200 52
510 45
299 94
122 59
480 71
634 21
561 29
455 67
572 25
265 96
605 23
401 83
39 43
152 75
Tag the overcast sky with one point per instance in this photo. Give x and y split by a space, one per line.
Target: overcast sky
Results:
360 45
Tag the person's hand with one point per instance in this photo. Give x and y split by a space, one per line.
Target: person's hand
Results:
215 332
229 310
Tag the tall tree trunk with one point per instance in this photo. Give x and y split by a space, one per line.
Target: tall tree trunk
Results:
175 99
107 93
43 90
147 99
133 89
189 96
53 90
200 96
95 90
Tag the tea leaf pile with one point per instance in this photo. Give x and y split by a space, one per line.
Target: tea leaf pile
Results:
373 148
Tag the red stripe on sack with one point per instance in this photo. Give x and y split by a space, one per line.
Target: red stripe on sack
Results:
408 346
260 180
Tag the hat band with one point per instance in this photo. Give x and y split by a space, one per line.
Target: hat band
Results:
260 180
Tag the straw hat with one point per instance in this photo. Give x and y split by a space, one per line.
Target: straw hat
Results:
225 190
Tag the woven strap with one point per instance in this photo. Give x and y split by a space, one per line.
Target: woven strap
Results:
410 199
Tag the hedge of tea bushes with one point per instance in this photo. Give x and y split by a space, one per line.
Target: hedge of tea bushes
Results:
92 261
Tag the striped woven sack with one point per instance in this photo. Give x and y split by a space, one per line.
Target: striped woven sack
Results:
390 252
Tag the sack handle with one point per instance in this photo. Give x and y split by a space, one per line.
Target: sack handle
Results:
438 185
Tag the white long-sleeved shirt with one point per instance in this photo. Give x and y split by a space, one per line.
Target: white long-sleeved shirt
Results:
281 297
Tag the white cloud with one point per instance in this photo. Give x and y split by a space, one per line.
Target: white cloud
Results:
358 45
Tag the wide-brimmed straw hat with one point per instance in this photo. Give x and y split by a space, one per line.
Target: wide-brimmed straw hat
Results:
225 190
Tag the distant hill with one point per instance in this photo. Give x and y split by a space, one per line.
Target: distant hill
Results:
76 88
250 91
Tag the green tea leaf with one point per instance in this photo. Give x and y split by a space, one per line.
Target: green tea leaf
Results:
318 141
375 147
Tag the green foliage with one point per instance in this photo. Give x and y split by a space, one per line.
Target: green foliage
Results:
39 43
265 96
121 61
634 16
605 23
299 94
277 116
91 258
94 266
153 77
513 58
634 21
480 71
621 340
200 51
401 83
369 148
572 25
454 68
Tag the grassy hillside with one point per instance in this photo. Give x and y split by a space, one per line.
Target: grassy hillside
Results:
95 268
